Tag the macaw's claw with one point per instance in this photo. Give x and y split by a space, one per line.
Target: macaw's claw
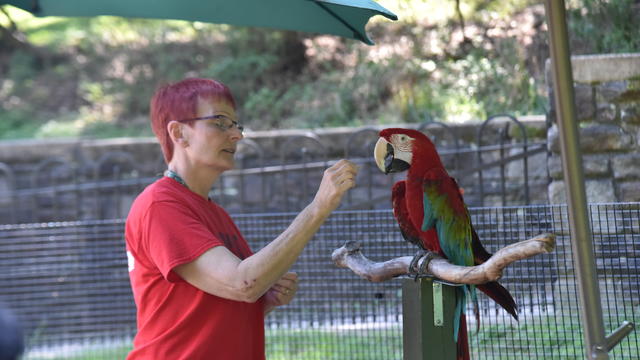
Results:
424 266
414 270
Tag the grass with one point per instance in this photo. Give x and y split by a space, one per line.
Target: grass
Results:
553 337
543 337
91 353
334 345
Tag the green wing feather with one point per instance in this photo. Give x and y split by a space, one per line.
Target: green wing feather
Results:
445 210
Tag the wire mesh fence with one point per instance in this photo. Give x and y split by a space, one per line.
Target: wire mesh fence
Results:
68 284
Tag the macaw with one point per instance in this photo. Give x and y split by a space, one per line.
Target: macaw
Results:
431 214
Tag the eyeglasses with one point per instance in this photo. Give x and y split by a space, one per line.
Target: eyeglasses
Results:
223 122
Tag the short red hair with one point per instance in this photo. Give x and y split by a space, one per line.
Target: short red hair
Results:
179 101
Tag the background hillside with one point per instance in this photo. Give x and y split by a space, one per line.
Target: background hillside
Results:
450 60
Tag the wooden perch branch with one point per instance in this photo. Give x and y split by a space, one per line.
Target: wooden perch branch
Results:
350 256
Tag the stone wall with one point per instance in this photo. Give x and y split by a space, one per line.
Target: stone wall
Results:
331 142
55 180
607 97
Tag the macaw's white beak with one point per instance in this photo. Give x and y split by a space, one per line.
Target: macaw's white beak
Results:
380 153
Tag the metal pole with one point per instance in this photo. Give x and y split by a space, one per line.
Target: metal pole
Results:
581 239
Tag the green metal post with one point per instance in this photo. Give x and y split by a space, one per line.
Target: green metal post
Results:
428 308
581 237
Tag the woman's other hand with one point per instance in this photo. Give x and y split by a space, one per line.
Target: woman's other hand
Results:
282 292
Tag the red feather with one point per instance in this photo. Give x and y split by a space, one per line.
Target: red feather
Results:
427 240
462 351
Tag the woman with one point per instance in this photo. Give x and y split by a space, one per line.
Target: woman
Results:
200 292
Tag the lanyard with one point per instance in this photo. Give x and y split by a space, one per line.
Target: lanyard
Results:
172 174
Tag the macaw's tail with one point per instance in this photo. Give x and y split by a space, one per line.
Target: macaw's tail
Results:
500 295
462 352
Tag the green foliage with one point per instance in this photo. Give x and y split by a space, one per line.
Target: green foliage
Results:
104 129
58 129
479 85
334 99
605 26
94 76
501 84
14 124
240 73
22 69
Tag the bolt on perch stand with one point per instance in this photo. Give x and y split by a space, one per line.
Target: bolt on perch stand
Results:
431 297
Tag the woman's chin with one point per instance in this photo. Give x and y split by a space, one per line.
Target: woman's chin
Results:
223 165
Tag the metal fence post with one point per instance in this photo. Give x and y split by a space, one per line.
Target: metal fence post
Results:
427 317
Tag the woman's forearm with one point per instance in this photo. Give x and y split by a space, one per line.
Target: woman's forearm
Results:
265 267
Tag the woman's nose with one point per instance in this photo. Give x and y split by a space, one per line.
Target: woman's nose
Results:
236 133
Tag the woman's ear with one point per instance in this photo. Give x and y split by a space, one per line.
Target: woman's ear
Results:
176 133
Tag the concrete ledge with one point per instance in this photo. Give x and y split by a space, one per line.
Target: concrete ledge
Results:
589 69
33 150
605 67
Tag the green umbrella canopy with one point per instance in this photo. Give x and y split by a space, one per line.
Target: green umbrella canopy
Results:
346 18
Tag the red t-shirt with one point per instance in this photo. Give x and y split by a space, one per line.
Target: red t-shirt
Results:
169 225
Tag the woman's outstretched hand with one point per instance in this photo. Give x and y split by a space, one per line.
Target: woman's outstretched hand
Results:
336 181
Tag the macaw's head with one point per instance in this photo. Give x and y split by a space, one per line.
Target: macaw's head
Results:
398 150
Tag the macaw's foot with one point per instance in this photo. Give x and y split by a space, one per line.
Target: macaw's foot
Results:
419 265
424 266
414 269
